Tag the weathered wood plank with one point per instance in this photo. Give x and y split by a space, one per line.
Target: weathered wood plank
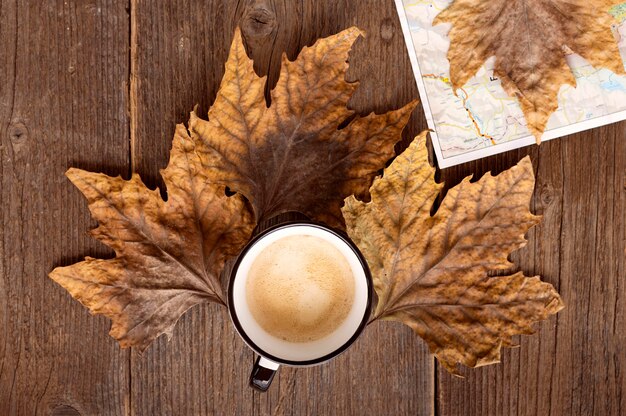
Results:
389 370
204 369
63 102
178 53
574 365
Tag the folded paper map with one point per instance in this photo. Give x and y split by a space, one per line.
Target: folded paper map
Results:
480 119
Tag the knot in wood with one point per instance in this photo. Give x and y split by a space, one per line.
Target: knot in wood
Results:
17 132
546 196
387 29
258 22
64 410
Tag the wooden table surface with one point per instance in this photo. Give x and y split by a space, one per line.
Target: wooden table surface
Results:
101 84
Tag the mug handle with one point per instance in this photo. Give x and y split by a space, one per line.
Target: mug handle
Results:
263 373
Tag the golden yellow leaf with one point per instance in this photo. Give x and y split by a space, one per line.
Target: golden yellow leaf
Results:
169 254
529 39
298 154
436 273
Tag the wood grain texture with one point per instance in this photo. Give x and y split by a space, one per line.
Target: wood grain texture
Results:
71 72
63 88
205 368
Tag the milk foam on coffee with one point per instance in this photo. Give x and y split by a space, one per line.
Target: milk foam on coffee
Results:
300 288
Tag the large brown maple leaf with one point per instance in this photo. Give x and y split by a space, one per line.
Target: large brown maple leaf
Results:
529 39
436 273
300 153
169 254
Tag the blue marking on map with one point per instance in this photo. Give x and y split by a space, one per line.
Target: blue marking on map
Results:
613 84
476 116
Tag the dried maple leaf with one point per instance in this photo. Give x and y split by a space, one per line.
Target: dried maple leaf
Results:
435 273
529 39
296 155
169 254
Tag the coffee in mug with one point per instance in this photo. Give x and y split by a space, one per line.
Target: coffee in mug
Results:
299 295
300 288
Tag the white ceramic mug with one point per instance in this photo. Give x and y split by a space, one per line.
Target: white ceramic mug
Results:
274 351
